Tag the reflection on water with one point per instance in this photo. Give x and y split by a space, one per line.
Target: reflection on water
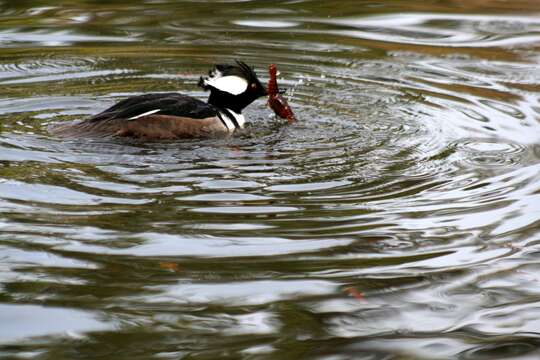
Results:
398 218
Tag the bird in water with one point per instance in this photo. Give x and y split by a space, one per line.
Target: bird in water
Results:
167 116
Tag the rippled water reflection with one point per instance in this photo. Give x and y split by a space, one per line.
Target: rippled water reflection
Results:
398 218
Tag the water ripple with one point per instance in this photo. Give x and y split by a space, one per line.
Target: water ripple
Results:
397 217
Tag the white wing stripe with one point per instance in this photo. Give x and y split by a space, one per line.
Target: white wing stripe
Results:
144 114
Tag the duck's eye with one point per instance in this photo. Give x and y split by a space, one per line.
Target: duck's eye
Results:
253 86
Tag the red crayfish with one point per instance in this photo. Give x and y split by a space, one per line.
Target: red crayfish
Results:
276 101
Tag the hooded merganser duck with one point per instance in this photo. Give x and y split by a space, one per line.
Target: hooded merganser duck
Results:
173 115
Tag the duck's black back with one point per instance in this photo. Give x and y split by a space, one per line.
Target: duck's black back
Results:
167 103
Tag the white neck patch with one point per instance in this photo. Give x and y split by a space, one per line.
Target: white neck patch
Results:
232 84
240 119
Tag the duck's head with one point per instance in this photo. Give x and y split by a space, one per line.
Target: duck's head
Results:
232 86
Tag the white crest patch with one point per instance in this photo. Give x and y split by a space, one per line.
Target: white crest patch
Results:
232 84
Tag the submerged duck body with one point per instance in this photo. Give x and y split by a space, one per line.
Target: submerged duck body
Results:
175 116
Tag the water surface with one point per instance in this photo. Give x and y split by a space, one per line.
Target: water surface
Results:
399 218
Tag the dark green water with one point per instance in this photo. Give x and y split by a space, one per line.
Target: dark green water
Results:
412 177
